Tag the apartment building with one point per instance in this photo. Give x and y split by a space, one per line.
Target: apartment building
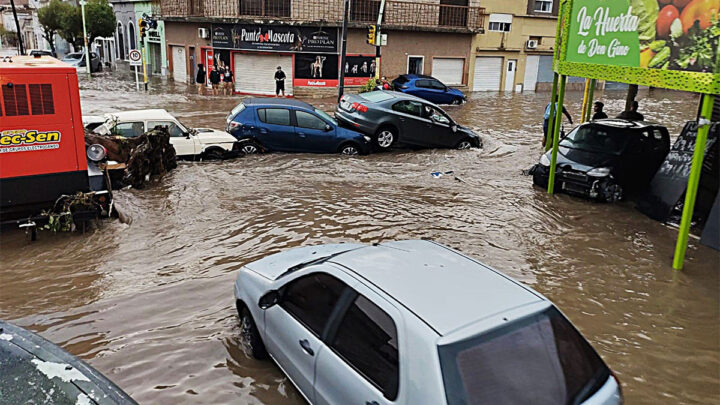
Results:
515 51
253 37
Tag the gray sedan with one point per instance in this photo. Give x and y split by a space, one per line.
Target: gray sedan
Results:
393 118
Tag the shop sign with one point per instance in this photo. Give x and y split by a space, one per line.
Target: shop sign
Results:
154 36
315 70
277 38
358 69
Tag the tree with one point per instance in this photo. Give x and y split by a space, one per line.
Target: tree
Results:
71 22
100 19
51 19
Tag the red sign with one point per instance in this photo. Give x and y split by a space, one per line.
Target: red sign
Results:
315 82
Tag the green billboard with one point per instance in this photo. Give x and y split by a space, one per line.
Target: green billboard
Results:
660 43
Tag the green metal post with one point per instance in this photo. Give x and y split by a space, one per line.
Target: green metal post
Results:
556 134
693 181
551 119
588 113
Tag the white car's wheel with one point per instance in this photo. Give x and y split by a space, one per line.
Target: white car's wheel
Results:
250 335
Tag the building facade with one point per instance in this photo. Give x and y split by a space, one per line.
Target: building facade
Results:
253 37
515 51
127 34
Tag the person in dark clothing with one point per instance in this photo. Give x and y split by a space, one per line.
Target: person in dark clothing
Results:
200 78
279 82
228 81
215 79
546 123
598 109
631 114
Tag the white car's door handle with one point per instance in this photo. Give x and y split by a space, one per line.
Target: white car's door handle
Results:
306 347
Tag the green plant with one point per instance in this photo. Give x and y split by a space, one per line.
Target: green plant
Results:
368 86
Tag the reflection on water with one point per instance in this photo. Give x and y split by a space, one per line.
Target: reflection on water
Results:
151 304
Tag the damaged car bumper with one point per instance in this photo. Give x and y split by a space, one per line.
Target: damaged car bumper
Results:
578 183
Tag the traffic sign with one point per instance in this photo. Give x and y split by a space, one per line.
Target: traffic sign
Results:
135 58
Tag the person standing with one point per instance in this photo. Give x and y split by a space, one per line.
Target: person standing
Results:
215 79
598 109
228 79
631 114
279 82
546 123
385 83
200 78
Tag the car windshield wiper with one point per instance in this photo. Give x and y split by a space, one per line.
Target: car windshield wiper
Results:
310 263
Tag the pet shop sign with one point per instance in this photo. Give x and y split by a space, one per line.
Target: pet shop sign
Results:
278 38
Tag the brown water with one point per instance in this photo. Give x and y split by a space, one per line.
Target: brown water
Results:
151 304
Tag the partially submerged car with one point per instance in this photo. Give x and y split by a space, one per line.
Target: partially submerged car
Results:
189 143
413 322
78 60
395 119
266 124
36 371
428 88
606 159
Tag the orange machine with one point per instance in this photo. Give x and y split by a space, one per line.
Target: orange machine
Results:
42 139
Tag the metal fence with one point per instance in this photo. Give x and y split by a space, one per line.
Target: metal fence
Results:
397 12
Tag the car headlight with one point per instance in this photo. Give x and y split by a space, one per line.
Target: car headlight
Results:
599 172
544 160
96 152
367 138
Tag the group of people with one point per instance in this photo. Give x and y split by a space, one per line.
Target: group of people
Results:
221 79
598 114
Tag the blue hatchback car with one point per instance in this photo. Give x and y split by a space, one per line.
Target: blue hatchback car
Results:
429 88
269 124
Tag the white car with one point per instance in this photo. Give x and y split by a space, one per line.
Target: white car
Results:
188 142
413 322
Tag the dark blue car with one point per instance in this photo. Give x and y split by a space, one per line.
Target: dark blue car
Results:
429 88
269 124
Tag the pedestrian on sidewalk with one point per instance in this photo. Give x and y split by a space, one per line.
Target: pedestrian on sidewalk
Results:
215 79
228 80
631 114
200 78
598 109
279 82
546 123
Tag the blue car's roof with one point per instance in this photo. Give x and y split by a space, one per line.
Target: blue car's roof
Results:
414 76
277 102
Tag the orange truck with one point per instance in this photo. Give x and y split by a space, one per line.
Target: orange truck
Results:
44 161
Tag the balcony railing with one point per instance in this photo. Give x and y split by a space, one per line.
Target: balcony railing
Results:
397 12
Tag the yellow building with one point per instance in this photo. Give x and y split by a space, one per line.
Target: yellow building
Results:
514 53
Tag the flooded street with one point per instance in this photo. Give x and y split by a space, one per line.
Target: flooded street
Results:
151 304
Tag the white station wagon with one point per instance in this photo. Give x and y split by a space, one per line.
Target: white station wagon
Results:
413 322
188 142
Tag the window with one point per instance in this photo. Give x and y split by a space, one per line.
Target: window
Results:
129 129
307 120
434 84
267 8
173 128
500 22
41 99
453 13
311 299
415 65
425 84
539 360
364 10
435 115
543 6
408 107
15 99
326 116
367 339
131 37
275 116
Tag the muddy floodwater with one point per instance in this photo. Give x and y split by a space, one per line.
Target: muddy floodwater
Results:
151 306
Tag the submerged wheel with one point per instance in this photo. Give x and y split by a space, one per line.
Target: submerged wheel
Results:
385 137
610 191
213 154
250 147
250 335
457 101
349 149
464 144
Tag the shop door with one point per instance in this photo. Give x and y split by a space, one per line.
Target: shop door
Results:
531 72
179 64
155 62
448 70
255 74
488 71
510 75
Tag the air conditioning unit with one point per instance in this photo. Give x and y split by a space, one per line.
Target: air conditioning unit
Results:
203 33
532 44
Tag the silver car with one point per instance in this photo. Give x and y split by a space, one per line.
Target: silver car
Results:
413 322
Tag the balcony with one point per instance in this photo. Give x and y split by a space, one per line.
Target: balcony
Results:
398 14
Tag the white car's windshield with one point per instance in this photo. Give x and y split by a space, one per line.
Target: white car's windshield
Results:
540 359
326 116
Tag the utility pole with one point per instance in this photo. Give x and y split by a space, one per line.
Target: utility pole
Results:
343 48
21 48
378 39
85 39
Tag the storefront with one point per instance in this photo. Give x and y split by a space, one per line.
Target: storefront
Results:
309 56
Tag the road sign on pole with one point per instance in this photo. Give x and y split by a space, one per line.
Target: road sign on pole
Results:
135 58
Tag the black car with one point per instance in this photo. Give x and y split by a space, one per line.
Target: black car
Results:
391 119
606 159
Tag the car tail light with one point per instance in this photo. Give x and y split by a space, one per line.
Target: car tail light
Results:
403 87
233 125
359 107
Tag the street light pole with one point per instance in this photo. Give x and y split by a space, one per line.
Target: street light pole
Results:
343 48
85 39
378 39
17 26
